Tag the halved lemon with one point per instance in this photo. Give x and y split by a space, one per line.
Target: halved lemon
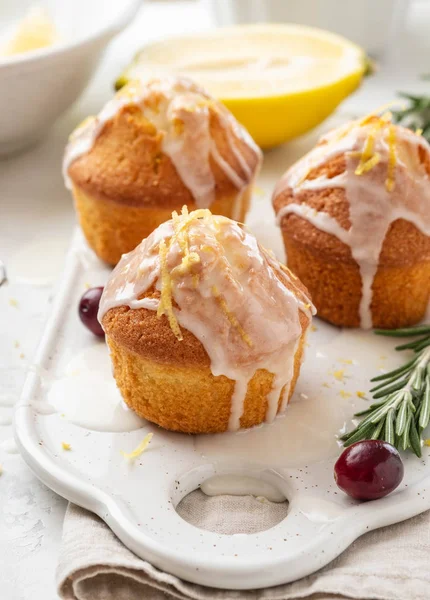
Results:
278 80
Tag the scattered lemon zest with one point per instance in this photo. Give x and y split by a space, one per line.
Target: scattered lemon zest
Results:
165 306
66 446
231 317
140 448
326 385
13 302
314 328
22 355
391 139
346 361
16 344
339 374
418 131
345 394
368 165
361 394
426 442
367 154
374 114
288 271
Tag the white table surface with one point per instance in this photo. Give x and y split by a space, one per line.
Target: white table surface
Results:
36 221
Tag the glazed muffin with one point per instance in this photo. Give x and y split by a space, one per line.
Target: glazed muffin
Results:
355 219
206 328
155 147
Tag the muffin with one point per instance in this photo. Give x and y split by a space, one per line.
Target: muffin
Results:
206 328
355 219
155 147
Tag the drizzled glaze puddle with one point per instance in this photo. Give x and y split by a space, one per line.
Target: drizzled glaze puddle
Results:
338 364
86 394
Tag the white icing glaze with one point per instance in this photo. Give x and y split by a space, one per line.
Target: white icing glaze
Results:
241 485
9 446
7 400
181 111
87 396
5 419
372 206
232 294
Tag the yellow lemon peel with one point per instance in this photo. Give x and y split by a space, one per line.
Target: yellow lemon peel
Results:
66 446
391 139
165 306
140 448
339 374
231 317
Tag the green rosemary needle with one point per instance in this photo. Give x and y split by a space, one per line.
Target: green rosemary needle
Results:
416 115
402 408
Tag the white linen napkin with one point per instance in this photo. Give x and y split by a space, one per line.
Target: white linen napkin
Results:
387 564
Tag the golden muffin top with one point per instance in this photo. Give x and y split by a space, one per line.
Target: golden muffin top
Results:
162 141
362 194
209 276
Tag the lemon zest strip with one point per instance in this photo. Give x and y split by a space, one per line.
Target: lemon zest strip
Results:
165 305
140 448
390 181
231 317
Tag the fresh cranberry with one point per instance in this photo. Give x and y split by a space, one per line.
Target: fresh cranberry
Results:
88 309
368 470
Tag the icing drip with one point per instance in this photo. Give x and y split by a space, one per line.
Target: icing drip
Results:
182 112
215 280
384 181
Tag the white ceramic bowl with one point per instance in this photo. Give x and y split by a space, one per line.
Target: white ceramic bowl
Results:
37 87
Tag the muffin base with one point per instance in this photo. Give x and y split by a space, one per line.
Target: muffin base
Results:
190 399
400 294
113 229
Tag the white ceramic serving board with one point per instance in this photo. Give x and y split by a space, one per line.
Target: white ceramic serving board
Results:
70 396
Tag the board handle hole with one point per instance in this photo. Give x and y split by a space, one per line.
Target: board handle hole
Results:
231 504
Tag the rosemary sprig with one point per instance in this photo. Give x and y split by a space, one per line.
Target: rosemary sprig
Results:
402 408
417 114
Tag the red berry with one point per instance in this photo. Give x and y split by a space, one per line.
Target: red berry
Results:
368 470
88 309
